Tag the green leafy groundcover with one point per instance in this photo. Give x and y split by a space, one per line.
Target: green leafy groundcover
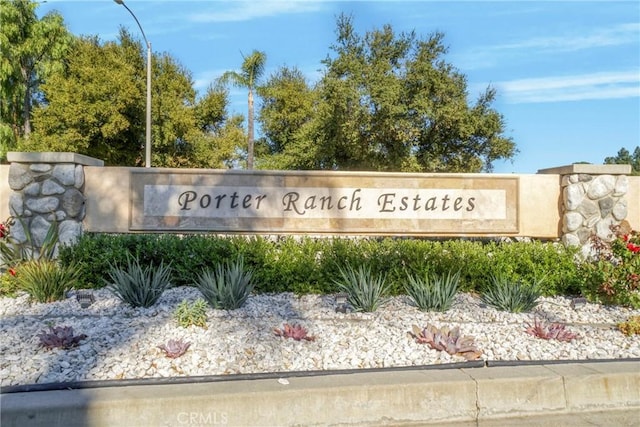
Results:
310 265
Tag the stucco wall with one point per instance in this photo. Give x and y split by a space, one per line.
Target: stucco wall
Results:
5 192
633 198
108 209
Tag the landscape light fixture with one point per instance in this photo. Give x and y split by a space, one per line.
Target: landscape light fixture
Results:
85 298
147 147
341 302
578 302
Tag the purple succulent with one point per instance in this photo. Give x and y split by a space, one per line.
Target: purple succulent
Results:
174 348
553 331
296 332
60 337
445 339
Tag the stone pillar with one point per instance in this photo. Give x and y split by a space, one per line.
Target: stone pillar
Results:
48 187
593 199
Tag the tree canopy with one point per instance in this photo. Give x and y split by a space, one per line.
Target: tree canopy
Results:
31 49
286 118
387 102
625 158
96 106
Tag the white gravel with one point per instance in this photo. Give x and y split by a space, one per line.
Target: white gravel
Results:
122 341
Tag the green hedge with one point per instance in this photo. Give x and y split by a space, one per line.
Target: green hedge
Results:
309 265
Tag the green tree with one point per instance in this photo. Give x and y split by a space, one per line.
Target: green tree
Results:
285 118
625 158
31 49
250 73
222 136
390 102
96 106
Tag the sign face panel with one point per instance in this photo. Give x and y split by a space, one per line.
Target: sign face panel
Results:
269 202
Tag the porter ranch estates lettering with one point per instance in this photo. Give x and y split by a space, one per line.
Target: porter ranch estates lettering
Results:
320 202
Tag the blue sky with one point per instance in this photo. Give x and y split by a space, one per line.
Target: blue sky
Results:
567 72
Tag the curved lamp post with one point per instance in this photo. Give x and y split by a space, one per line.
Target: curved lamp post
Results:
147 147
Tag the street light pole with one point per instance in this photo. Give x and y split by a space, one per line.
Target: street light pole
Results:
147 147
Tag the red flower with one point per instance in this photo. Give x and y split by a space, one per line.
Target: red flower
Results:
633 248
12 272
625 237
3 231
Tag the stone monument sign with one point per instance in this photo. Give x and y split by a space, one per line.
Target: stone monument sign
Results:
323 203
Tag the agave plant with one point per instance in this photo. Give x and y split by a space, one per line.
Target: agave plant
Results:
445 339
514 296
60 337
296 332
138 286
552 331
433 292
366 291
228 286
175 348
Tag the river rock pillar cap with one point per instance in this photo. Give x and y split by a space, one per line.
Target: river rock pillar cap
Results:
51 157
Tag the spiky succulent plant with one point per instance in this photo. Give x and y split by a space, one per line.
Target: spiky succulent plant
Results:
552 331
60 337
296 332
174 348
446 339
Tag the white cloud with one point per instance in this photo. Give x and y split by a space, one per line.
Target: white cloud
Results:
245 10
202 81
606 85
601 37
488 56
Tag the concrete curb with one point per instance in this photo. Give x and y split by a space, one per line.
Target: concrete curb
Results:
465 396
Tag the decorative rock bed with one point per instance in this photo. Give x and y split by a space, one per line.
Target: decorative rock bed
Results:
122 341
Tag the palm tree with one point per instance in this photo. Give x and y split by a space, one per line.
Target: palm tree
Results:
251 71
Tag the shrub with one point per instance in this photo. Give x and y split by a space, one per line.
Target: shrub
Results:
285 264
228 286
366 291
45 280
13 252
526 261
191 314
95 253
612 276
137 286
514 296
310 265
8 283
433 291
631 326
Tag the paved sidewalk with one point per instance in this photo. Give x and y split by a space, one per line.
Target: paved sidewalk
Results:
572 394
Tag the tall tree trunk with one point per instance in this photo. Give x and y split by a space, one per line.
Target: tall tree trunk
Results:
250 132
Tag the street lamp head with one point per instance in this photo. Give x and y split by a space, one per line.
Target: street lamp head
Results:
120 2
